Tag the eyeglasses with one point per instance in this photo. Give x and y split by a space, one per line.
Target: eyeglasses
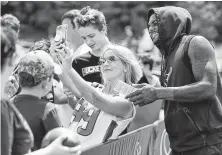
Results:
108 59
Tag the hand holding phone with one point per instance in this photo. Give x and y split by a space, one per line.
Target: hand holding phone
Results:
60 38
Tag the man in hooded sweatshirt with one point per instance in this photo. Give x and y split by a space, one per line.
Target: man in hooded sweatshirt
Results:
190 81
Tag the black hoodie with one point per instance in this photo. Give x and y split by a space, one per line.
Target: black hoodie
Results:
174 22
189 125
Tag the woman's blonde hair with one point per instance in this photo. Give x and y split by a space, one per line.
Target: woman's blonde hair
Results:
133 69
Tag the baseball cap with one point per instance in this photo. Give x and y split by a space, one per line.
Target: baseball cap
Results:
37 64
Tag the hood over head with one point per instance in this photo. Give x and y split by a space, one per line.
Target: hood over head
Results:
173 23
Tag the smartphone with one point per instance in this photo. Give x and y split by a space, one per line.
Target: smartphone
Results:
61 33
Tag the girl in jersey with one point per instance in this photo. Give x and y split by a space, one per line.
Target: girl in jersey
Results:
102 114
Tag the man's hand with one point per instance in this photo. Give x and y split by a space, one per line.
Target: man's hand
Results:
144 95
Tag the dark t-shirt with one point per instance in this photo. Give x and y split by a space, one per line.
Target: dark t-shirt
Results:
16 135
88 67
40 115
143 79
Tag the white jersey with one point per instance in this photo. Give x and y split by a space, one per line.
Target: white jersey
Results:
95 126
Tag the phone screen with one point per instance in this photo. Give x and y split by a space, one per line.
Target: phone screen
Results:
61 33
61 36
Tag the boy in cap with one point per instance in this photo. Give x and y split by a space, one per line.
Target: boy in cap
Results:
35 72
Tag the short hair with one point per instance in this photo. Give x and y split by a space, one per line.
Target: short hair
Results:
11 21
43 44
133 68
72 15
8 44
92 17
34 67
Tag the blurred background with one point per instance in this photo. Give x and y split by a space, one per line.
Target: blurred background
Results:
126 21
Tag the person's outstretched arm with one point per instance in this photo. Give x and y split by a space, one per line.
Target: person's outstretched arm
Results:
202 56
117 106
63 77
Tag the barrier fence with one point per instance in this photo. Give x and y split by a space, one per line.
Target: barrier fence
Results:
148 140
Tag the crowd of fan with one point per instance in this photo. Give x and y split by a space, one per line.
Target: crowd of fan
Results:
45 97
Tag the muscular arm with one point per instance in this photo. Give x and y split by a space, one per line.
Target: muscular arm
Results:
202 56
113 105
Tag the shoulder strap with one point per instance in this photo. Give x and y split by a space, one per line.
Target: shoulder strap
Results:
186 48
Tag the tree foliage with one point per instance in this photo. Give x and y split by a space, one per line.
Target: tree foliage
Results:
39 18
